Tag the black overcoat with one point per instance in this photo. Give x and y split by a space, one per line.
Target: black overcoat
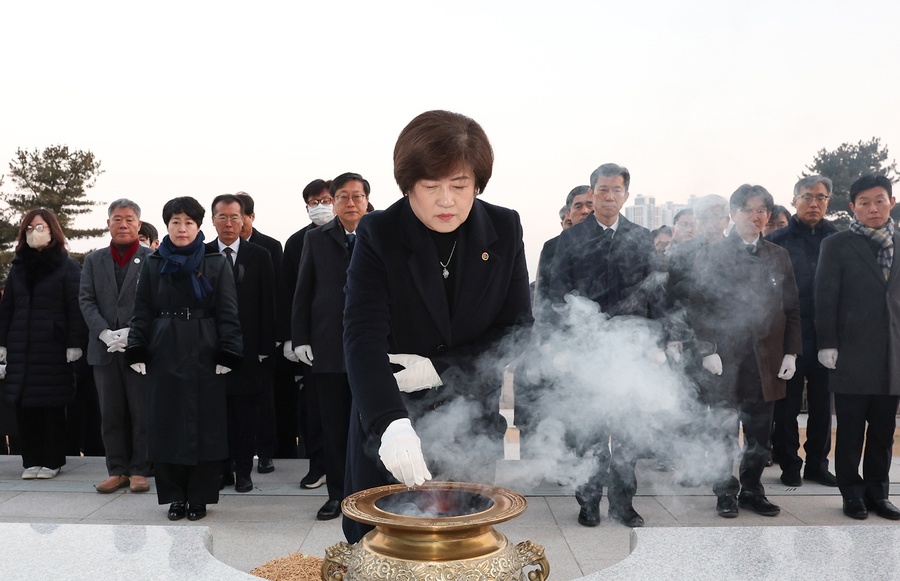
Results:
188 420
39 320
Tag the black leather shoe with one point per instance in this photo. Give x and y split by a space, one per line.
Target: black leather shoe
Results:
176 510
855 508
265 465
243 484
727 506
791 477
883 508
313 479
628 517
196 511
758 504
825 478
589 515
329 510
226 479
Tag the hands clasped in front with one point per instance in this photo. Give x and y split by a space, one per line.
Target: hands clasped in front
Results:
115 341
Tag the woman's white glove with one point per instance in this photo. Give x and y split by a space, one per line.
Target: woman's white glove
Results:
788 367
73 354
222 370
418 372
289 352
713 364
401 453
139 368
304 354
2 354
828 358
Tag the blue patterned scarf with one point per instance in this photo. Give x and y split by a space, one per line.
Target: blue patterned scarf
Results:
884 237
185 260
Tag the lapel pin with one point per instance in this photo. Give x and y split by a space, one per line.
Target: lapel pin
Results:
137 260
484 256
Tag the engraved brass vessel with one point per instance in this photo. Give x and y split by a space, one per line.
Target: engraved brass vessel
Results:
437 531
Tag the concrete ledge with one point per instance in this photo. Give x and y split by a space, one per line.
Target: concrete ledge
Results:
767 552
91 552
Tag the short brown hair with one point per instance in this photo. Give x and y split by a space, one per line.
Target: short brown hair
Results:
436 143
57 238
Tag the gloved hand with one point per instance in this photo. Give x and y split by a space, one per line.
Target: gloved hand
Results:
304 354
713 364
788 367
657 356
828 358
289 352
139 368
563 362
401 453
261 357
73 354
418 372
222 370
2 370
674 351
2 354
120 340
107 337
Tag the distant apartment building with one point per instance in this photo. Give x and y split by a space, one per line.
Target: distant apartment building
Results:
646 213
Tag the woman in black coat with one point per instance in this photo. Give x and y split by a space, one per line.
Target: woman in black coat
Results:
185 335
42 333
435 280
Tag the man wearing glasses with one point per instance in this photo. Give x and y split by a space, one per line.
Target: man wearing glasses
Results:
802 239
744 302
317 328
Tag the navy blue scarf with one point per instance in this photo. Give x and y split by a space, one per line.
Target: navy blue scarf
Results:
185 260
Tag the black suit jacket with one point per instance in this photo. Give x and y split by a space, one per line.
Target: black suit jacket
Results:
282 293
318 312
613 272
254 279
542 281
396 303
858 313
290 266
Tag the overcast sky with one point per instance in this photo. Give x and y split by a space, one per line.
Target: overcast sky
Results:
195 98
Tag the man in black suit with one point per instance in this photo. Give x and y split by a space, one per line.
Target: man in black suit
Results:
317 325
608 260
857 306
320 208
254 278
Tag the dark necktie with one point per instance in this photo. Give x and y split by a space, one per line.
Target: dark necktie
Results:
229 252
351 240
751 248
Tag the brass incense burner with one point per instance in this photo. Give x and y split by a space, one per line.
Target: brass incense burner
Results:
437 531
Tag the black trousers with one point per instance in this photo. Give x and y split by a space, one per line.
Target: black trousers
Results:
242 417
854 412
286 402
333 391
266 435
197 484
311 423
616 459
786 433
42 435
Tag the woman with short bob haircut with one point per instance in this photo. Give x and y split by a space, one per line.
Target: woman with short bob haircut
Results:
185 335
42 333
435 280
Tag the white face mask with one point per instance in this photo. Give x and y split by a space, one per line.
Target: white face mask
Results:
37 239
321 214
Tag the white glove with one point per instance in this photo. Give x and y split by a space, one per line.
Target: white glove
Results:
261 357
2 354
289 352
2 370
418 373
657 356
107 337
222 370
120 341
563 362
73 354
674 351
828 358
304 354
401 453
139 368
713 364
788 367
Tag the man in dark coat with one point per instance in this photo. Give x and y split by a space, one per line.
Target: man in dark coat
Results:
108 285
249 386
318 325
608 260
857 306
320 208
744 302
802 238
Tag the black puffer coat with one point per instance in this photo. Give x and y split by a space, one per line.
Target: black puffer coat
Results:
39 320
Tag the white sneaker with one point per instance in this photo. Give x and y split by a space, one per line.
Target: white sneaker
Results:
46 473
31 473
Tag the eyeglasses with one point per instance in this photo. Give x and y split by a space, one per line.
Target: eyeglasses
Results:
38 228
222 218
818 198
357 198
759 212
325 202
